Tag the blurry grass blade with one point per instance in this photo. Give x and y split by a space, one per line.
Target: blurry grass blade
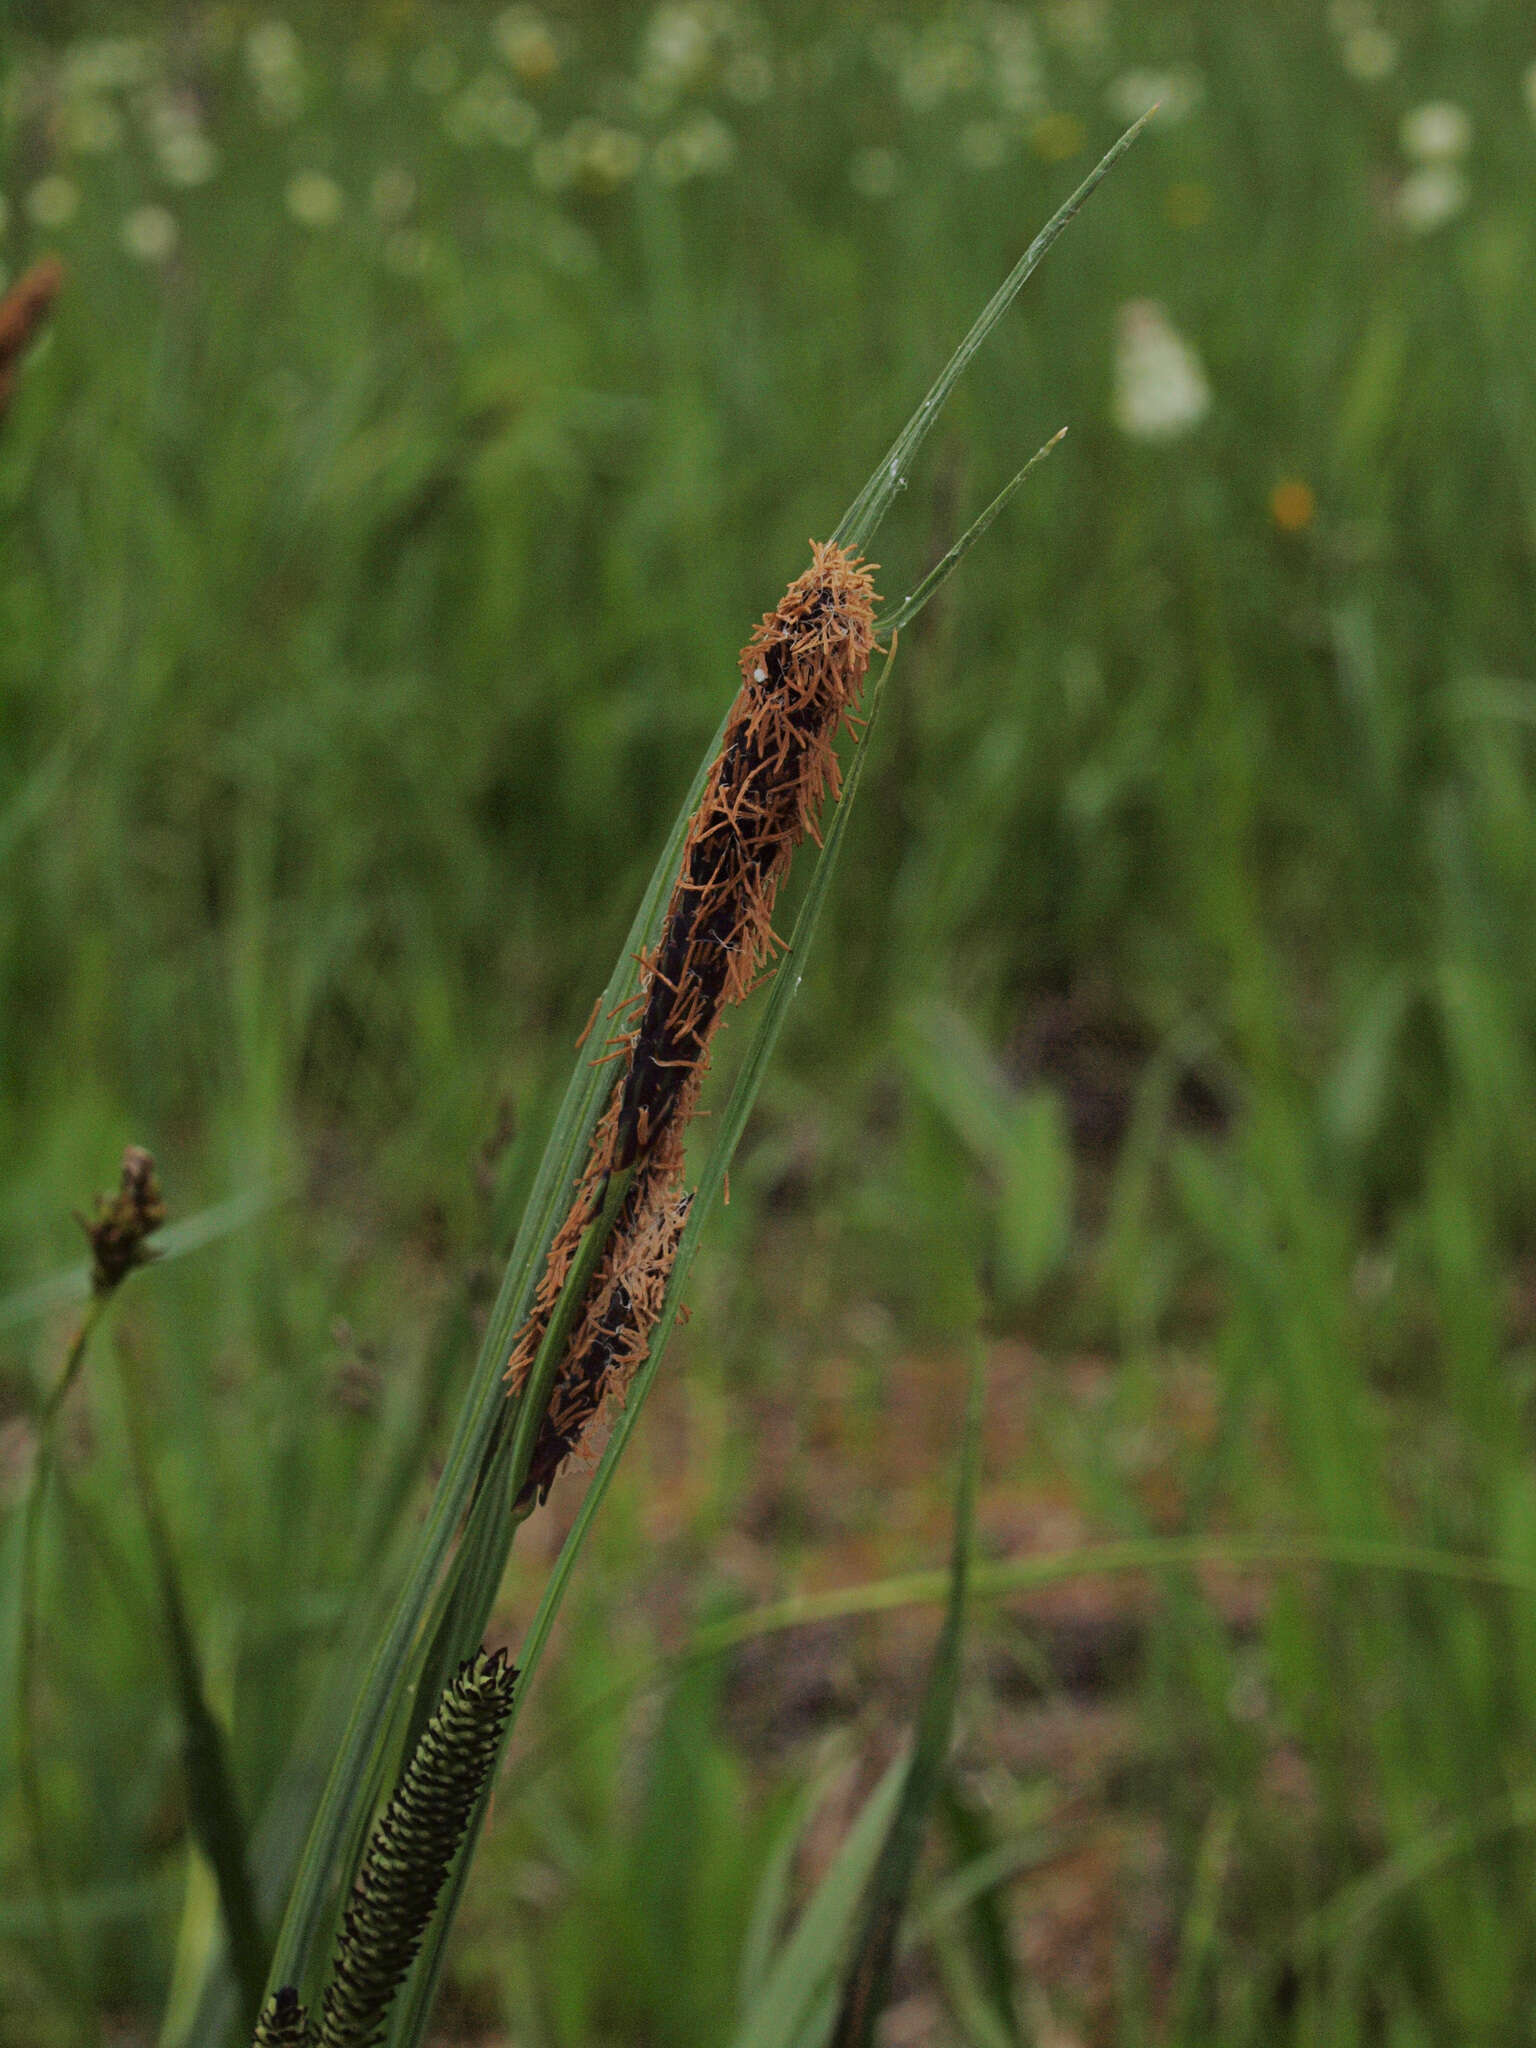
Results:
771 1899
1000 1579
212 1805
940 573
73 1283
803 1972
863 516
991 1581
866 1986
971 1894
1200 1925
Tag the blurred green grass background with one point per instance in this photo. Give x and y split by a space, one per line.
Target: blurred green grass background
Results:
437 397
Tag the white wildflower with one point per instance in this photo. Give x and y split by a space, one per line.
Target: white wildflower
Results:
1081 27
149 234
1369 54
1431 196
941 66
314 199
107 64
186 156
699 148
1438 132
53 201
677 48
610 157
1160 387
524 39
1175 93
489 111
272 48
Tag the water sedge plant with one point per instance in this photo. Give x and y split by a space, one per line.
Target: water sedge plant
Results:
591 1292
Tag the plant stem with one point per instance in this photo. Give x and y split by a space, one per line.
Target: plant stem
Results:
214 1808
27 1648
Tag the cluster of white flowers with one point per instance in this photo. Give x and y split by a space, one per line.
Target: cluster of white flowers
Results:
1080 27
1435 138
1161 390
691 44
591 155
488 110
1367 51
53 201
1175 93
314 199
1014 68
150 234
700 147
274 59
183 150
527 44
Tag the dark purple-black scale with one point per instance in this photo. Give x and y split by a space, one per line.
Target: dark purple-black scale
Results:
580 1390
694 956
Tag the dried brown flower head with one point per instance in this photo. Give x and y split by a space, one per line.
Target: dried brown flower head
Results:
610 1341
121 1223
801 674
22 312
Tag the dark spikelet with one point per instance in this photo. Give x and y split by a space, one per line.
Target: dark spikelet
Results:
23 310
284 2023
801 674
122 1222
410 1850
609 1344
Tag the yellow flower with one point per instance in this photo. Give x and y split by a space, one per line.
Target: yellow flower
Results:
1292 505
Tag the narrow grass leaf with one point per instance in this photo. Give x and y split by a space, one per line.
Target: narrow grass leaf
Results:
867 1982
859 522
804 1971
174 1241
943 569
770 1902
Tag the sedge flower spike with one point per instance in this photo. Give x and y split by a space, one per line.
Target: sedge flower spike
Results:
411 1849
801 675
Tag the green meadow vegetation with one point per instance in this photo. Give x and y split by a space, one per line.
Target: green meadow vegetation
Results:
436 398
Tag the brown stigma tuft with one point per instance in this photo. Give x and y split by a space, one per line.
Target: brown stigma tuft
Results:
23 310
